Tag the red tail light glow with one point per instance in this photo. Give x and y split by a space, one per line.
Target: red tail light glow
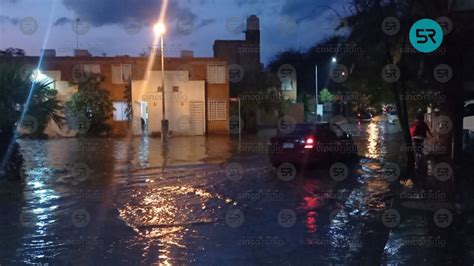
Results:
309 143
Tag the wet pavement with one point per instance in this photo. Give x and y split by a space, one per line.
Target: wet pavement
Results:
200 201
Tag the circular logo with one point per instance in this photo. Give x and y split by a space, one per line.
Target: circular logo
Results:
80 27
446 24
29 124
426 35
236 73
390 73
286 124
443 218
443 73
28 25
286 72
391 26
234 171
80 124
81 171
132 26
445 124
79 75
184 25
286 171
339 73
236 125
391 218
80 218
235 25
234 218
338 171
443 171
286 218
27 218
391 171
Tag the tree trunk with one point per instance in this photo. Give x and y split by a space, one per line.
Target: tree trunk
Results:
11 159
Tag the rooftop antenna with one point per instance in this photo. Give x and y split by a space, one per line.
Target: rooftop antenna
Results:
77 32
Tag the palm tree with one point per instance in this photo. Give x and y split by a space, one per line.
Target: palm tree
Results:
16 83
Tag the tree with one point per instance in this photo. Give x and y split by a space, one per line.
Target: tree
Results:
261 92
93 104
12 52
380 49
16 84
325 96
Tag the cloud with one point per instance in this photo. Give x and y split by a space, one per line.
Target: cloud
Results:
7 19
108 12
206 22
63 21
301 10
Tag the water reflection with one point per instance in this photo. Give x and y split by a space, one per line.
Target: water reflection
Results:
108 179
372 141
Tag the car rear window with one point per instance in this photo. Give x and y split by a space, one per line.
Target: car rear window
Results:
306 129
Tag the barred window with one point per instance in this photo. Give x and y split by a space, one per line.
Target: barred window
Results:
216 74
217 110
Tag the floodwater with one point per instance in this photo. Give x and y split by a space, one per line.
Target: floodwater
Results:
198 201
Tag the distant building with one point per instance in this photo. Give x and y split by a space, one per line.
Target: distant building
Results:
243 56
196 90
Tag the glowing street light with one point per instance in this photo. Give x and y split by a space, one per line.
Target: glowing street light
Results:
160 30
334 60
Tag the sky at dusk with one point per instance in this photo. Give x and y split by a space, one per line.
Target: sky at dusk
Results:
122 27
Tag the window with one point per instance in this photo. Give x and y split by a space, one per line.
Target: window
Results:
82 72
120 111
337 130
217 110
91 69
121 74
216 74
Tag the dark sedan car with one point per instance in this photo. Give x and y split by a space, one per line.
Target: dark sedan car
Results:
309 143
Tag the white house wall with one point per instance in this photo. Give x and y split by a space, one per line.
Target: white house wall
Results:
177 103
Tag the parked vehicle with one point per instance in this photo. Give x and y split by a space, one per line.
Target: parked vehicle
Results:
310 143
364 116
468 120
392 117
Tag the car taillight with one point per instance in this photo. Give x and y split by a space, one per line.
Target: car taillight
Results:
309 143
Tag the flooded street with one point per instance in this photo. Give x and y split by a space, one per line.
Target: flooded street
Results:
130 202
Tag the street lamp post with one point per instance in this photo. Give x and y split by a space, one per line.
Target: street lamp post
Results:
160 31
333 60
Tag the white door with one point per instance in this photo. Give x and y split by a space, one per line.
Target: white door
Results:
196 118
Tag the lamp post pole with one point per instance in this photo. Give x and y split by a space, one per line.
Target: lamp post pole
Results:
160 30
316 91
164 121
